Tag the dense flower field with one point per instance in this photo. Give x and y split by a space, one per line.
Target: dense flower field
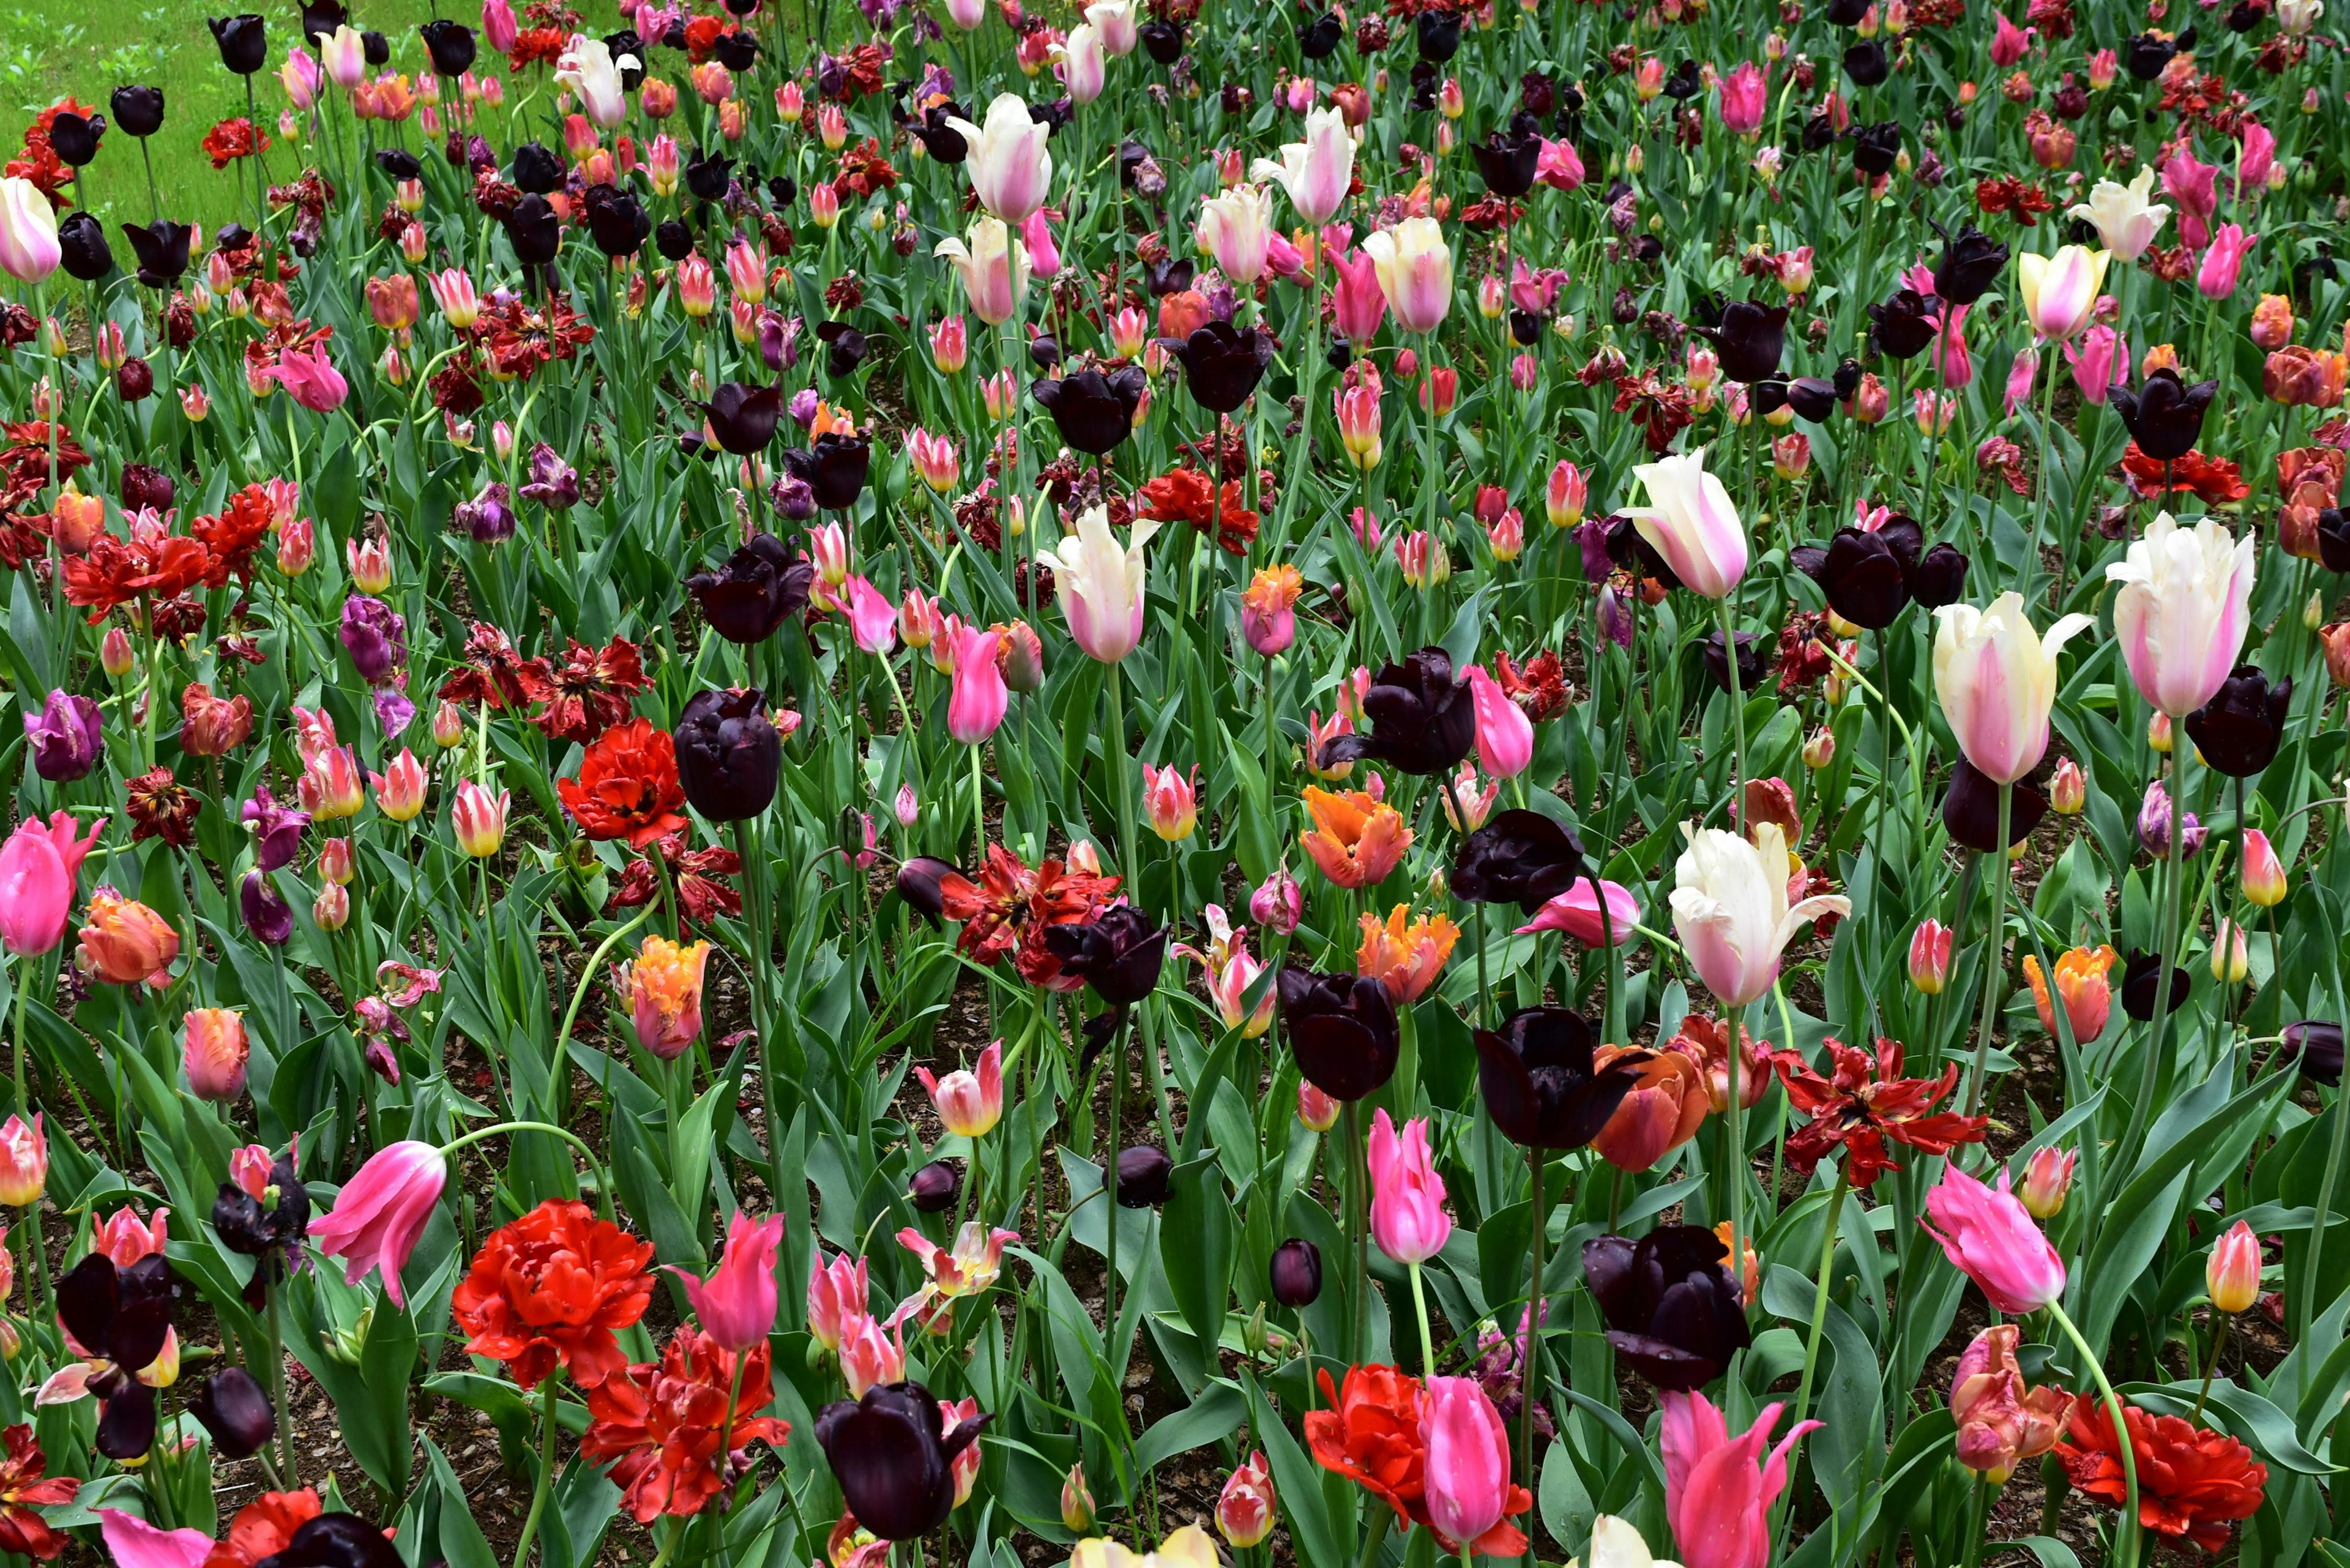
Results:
1195 783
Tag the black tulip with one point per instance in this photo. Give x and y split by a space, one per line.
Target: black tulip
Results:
1520 858
1525 328
1632 551
1536 1077
1848 378
2239 730
932 1189
1866 64
1812 399
1876 147
162 247
74 139
1674 1310
2334 540
82 249
1221 363
1847 13
536 168
399 163
761 585
1940 577
450 44
138 110
1132 157
1422 720
921 882
1818 134
617 221
243 40
533 230
122 1316
1052 114
2146 54
1165 277
738 51
1866 576
1318 38
1342 1029
336 1541
2164 415
1162 41
626 45
709 175
1685 83
320 17
1339 355
1905 324
2315 1047
673 240
834 467
894 1463
1144 1175
1749 338
743 419
1119 953
1754 661
2139 985
729 755
235 1410
783 190
844 347
1295 1273
1044 352
1093 412
1507 162
1970 810
1767 397
1439 36
940 141
376 47
1970 263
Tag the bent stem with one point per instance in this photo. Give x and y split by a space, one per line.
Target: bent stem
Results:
1992 966
603 1183
2126 1540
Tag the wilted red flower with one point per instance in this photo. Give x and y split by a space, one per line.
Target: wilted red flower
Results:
495 674
1538 686
24 459
2215 480
702 896
1370 1435
1865 1103
1007 909
552 1289
627 785
22 1490
2191 1482
861 71
863 171
1182 495
519 337
1803 653
588 691
232 536
665 1424
457 384
160 806
2020 199
117 571
234 139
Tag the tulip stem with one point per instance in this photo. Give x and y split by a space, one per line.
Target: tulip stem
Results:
2127 1531
1820 1294
2039 507
546 1464
278 1385
1992 952
2165 958
2340 1114
1420 1311
1530 1369
2212 1366
603 1185
1357 1181
1737 714
1978 1518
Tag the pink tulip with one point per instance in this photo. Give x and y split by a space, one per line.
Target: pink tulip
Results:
2020 373
868 1357
2232 1274
36 891
1505 736
1470 1496
1044 254
835 1298
2009 42
872 618
1407 1217
1559 166
1359 305
736 1304
1741 100
381 1212
132 1542
1988 1234
1577 913
2255 159
2196 188
1718 1489
969 1104
311 378
2100 364
2224 262
2183 611
980 696
499 30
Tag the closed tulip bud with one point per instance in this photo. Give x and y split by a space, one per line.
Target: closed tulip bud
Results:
934 458
1171 802
2263 874
1278 904
1492 297
1929 957
448 725
823 205
1791 455
2068 791
1318 1110
2313 611
1565 496
1244 1510
332 910
2232 961
2271 326
215 1051
2047 1177
1077 1501
23 1162
114 655
1820 749
906 807
194 404
335 862
479 818
2158 733
2233 1272
370 564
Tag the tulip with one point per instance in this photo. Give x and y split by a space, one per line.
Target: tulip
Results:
1988 1235
2125 221
1414 265
1102 586
665 996
2232 1274
2182 612
2059 292
1505 736
1996 680
1566 495
730 754
332 907
124 941
1244 1509
894 1460
215 1053
1082 63
977 702
1268 613
993 267
29 250
1236 228
1577 913
1357 302
67 738
1358 411
587 69
381 1212
1317 171
342 54
1077 1501
1170 801
1929 957
969 1104
1407 1217
479 818
736 1304
311 378
1469 1492
2000 1422
1730 906
1010 161
1691 523
2081 980
1719 1490
1742 98
835 1298
2263 874
2232 959
302 77
2195 187
2223 261
2047 1177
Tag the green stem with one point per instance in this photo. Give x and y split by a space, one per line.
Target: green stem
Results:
1420 1310
277 1386
540 1492
603 1184
2125 1554
1358 1184
1993 968
1531 1380
2166 957
1820 1294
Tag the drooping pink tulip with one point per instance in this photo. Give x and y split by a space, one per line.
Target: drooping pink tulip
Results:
1469 1495
2009 42
382 1211
1044 254
2224 263
1407 1217
736 1304
1577 913
311 378
1719 1488
1505 736
1989 1235
980 696
1559 166
2255 158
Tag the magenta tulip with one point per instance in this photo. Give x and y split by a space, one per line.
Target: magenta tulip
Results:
736 1304
1407 1217
1718 1489
1988 1233
382 1211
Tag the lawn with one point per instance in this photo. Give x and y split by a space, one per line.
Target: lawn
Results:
49 47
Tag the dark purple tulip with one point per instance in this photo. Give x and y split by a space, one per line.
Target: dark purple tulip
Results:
450 44
1093 412
617 220
921 882
82 249
74 139
834 467
533 230
1970 264
1940 577
266 914
1876 148
934 1188
2239 730
1536 1077
270 1230
761 585
66 739
536 170
375 636
1673 1308
276 830
729 757
1753 660
1342 1029
489 517
893 1459
2139 985
2315 1046
1906 325
1749 337
2165 416
1295 1275
121 1315
1507 160
336 1541
1520 858
743 419
1222 364
146 488
235 1410
553 481
138 110
243 41
1144 1173
1422 720
1970 810
1119 953
162 247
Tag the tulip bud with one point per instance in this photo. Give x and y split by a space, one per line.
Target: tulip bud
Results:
335 862
114 655
2068 791
479 818
1317 1109
370 564
2231 961
1929 957
2047 1177
194 404
2312 613
2233 1272
1296 1273
2158 732
2263 875
934 1188
332 910
448 725
907 808
1244 1509
1564 498
297 546
1077 1503
1819 751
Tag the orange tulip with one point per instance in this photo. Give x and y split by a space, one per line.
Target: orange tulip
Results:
1662 1112
124 941
1405 957
1356 839
2088 995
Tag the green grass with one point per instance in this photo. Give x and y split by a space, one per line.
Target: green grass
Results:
88 47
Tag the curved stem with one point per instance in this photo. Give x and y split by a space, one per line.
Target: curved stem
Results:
586 977
2125 1553
603 1183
